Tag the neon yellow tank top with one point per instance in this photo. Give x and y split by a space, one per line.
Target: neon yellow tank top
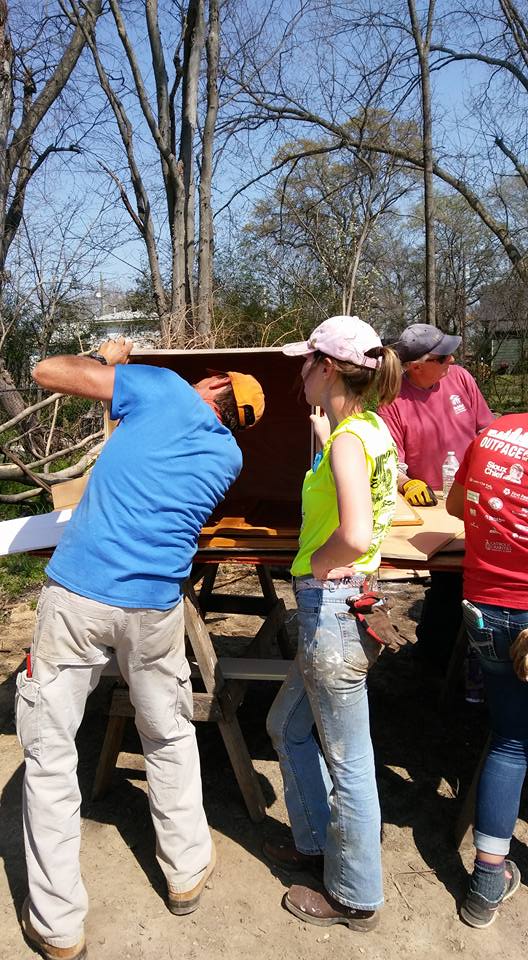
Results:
319 498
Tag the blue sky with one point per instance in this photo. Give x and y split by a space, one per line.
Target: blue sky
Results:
125 253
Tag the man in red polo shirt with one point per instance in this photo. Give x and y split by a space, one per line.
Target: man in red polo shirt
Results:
439 408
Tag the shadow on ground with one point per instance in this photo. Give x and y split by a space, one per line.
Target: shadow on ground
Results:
425 762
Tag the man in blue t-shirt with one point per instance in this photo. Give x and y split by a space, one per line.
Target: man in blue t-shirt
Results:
114 587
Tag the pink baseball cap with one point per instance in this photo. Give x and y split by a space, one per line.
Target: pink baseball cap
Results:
343 338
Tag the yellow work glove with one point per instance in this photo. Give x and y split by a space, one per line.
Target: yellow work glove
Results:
419 493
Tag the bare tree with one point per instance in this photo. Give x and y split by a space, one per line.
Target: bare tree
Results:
326 206
205 240
27 94
364 56
422 40
170 124
23 107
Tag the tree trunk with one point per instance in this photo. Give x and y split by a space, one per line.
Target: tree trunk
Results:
193 46
172 316
13 403
206 240
6 114
10 399
423 50
16 155
178 269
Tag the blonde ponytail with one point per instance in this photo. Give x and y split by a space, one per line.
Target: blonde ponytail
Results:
389 377
358 380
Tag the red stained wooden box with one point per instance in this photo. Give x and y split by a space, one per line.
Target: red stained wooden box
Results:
277 451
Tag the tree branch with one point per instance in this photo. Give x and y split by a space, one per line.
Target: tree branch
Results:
55 84
508 65
28 411
516 256
522 170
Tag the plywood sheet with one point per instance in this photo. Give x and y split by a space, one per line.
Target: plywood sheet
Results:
456 545
405 515
240 527
33 533
67 495
406 542
438 529
257 544
277 452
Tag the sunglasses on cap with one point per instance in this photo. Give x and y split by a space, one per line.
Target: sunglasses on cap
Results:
439 358
246 415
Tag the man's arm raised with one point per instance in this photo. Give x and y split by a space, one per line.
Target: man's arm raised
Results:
83 376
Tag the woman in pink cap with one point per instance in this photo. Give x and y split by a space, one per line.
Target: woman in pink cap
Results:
348 501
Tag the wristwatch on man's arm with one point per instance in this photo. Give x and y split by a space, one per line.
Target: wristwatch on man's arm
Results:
112 352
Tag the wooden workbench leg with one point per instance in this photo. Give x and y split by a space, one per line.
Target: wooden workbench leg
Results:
108 757
466 817
454 667
229 728
266 584
208 583
270 595
243 768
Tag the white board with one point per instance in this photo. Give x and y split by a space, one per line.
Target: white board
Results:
33 533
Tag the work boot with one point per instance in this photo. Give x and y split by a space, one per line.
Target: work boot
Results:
187 902
287 856
323 910
50 952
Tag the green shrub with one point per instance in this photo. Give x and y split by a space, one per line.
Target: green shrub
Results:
19 572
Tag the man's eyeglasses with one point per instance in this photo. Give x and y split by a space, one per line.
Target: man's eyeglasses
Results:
438 359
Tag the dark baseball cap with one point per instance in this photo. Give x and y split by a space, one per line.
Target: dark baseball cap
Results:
421 338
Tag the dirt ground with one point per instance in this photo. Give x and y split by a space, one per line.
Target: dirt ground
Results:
425 760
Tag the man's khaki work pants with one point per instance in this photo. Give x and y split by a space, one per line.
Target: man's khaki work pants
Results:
74 639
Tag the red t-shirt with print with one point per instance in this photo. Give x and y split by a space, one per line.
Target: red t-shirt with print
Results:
494 472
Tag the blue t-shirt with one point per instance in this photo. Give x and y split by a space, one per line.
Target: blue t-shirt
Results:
133 536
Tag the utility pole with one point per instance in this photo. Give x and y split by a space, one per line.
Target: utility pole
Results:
99 295
463 308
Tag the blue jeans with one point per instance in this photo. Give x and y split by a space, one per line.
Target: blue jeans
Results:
504 770
331 795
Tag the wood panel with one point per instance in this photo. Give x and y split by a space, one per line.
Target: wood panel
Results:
277 452
438 529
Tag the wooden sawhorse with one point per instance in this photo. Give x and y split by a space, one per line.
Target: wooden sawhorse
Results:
211 602
225 682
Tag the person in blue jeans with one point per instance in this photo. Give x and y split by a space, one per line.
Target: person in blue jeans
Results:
490 493
348 502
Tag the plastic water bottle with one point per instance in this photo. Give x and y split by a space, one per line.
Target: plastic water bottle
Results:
449 468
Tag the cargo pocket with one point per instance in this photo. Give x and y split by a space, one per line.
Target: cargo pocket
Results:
27 713
184 698
161 634
73 631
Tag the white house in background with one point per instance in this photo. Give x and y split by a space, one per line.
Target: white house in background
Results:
503 315
111 318
138 326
